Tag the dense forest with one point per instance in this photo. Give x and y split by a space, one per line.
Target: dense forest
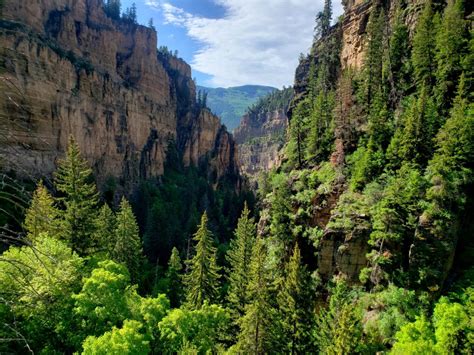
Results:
380 159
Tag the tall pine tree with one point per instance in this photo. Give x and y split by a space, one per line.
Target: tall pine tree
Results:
258 325
451 45
202 280
42 216
127 249
104 236
173 274
79 198
239 257
296 306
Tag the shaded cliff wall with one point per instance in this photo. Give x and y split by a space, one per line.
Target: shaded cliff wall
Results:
260 137
68 69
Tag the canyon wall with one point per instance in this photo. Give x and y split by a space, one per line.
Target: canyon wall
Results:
260 137
68 69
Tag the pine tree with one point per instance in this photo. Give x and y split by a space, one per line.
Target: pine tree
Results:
79 199
258 328
296 306
127 248
298 132
450 48
400 65
239 257
373 63
113 8
173 274
423 51
202 280
42 216
104 236
323 20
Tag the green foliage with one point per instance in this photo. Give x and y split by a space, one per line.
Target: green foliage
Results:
113 9
126 340
79 199
201 281
36 285
239 257
451 45
173 274
449 331
296 305
127 249
273 101
105 228
423 50
338 328
202 329
42 216
103 301
259 328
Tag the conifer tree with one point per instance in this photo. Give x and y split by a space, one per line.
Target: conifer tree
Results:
298 132
258 328
450 47
127 249
295 305
79 199
373 63
104 236
423 51
173 274
202 280
42 215
239 257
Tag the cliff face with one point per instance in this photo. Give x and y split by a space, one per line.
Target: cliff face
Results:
341 251
68 69
260 137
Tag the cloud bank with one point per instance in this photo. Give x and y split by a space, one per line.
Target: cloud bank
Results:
256 42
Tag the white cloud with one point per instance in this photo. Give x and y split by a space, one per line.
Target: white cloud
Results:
257 42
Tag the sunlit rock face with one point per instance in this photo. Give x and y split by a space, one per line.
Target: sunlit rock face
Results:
260 137
68 69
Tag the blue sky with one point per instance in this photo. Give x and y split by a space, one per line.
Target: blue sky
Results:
235 42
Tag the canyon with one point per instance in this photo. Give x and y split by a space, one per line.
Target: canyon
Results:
67 69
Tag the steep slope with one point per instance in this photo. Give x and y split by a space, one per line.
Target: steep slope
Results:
69 69
230 103
370 181
262 133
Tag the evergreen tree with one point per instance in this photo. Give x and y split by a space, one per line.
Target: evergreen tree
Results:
450 48
113 8
202 280
296 306
323 20
79 198
400 65
298 132
258 328
239 257
173 274
373 63
423 52
104 236
127 249
42 216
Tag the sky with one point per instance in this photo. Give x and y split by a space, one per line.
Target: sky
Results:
235 42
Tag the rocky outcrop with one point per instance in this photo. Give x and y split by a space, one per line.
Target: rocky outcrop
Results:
68 69
260 137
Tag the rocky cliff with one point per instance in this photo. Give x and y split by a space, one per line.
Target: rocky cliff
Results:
69 69
260 138
262 133
341 249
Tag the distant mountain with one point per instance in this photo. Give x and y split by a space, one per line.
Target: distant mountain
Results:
230 104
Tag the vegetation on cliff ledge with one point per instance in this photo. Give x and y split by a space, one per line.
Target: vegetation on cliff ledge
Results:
378 166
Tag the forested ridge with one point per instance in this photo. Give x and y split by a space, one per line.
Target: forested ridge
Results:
360 242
